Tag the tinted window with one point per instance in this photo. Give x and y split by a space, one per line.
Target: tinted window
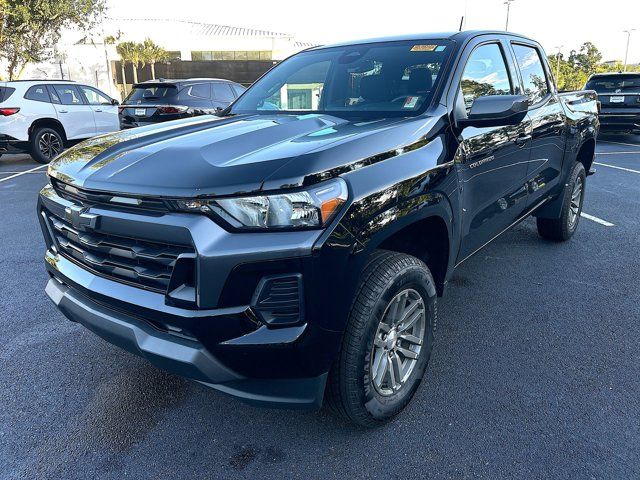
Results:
222 92
150 93
38 93
67 94
238 89
614 83
369 80
199 90
5 93
95 97
533 76
485 74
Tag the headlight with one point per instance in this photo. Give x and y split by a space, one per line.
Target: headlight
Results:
310 208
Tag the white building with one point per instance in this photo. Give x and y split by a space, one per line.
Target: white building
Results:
87 59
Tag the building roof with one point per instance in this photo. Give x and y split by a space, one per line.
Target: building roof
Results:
183 27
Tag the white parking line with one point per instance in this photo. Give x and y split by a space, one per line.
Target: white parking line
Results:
9 172
596 219
619 153
22 173
619 143
617 168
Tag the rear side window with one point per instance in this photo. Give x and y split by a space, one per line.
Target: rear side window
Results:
199 90
67 95
38 93
485 74
5 93
222 92
238 89
533 75
150 94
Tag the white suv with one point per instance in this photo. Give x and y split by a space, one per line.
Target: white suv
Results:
42 117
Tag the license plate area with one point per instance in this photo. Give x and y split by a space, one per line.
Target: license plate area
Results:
616 99
140 112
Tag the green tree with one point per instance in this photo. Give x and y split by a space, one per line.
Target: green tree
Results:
152 54
30 28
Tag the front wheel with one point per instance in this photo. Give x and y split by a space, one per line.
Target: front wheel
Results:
562 228
45 144
388 340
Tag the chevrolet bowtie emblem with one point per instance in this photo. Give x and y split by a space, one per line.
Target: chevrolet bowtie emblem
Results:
77 216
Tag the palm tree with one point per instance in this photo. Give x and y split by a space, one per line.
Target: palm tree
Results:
137 59
153 53
125 50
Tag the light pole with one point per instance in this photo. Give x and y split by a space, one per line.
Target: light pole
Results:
508 4
558 63
626 52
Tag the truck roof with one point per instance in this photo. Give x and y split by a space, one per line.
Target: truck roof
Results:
456 36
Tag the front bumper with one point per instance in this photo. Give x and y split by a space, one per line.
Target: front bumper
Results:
221 339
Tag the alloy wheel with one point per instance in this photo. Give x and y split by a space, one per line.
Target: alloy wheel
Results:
576 202
49 145
398 342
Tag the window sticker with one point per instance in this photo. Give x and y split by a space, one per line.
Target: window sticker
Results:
440 48
411 102
423 48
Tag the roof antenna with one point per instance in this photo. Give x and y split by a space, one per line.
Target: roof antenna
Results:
461 22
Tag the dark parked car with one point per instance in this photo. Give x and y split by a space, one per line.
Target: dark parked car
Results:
294 249
162 100
619 95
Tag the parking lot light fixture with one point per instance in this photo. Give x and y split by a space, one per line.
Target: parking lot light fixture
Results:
508 4
626 52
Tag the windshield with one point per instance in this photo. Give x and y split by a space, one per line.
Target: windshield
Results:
375 79
615 84
150 93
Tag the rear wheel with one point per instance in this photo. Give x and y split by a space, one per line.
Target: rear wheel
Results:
45 144
388 340
562 228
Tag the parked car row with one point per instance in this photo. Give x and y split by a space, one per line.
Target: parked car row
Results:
42 117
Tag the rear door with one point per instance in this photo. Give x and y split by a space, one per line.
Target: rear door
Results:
105 113
491 161
75 115
547 121
197 96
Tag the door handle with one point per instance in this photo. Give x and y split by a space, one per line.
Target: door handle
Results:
97 110
522 140
63 111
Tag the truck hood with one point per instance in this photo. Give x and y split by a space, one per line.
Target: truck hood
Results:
232 155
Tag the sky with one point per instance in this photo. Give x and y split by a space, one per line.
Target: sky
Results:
554 23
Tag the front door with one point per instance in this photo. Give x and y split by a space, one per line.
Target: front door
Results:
491 161
105 114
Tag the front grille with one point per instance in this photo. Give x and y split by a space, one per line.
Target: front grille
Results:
90 198
139 262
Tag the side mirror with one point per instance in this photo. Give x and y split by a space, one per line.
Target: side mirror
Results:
496 111
114 102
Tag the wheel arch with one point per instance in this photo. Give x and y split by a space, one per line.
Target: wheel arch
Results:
50 123
586 153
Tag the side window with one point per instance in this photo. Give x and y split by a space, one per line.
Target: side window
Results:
222 92
38 93
199 90
485 74
94 97
238 89
67 94
534 78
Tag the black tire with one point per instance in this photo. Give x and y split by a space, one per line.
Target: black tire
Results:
45 143
351 392
562 228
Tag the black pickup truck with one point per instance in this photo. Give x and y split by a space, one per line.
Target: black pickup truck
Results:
293 249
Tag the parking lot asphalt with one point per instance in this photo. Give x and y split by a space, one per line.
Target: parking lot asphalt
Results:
535 372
